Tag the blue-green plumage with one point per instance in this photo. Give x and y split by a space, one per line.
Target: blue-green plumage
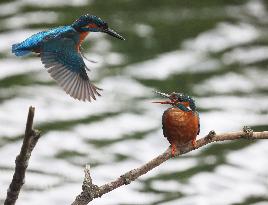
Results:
59 49
37 40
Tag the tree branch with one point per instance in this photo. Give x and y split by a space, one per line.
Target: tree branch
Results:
91 191
30 139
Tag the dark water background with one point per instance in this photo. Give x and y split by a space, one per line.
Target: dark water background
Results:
216 51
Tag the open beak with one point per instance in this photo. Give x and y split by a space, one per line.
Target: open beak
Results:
113 33
169 102
164 102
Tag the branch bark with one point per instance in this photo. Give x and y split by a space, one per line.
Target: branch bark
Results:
91 191
30 139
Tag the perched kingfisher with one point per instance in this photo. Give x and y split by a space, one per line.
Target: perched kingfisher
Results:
180 122
60 52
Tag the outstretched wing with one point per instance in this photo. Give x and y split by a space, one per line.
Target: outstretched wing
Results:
67 67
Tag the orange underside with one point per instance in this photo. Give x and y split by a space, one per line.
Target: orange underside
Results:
83 35
180 127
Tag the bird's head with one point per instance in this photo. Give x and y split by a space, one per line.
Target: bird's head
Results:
90 23
179 100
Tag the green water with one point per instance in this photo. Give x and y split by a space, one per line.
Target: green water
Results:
216 51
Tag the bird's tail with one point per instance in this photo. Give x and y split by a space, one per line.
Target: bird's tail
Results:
19 50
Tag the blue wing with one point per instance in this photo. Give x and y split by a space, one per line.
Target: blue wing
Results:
34 42
67 67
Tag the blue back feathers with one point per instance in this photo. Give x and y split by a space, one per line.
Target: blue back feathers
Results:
18 50
34 42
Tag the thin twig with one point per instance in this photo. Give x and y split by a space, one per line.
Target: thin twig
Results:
30 139
91 191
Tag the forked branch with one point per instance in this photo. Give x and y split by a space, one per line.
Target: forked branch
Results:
30 139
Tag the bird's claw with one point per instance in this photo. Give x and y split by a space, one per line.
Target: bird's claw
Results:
194 144
173 150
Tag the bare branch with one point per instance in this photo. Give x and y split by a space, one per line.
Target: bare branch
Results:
91 191
30 139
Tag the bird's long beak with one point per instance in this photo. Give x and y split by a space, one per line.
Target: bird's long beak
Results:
164 102
169 102
113 33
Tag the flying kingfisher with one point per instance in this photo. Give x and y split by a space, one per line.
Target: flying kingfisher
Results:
180 122
60 52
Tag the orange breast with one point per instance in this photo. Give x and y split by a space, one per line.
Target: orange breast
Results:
82 36
180 127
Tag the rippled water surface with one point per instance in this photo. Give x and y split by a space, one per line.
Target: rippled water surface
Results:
216 51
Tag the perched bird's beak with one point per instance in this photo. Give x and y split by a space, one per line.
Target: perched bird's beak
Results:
113 33
164 102
170 102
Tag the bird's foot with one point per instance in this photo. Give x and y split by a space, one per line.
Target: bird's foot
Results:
173 150
194 144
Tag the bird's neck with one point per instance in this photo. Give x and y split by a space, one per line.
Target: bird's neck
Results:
183 108
82 36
